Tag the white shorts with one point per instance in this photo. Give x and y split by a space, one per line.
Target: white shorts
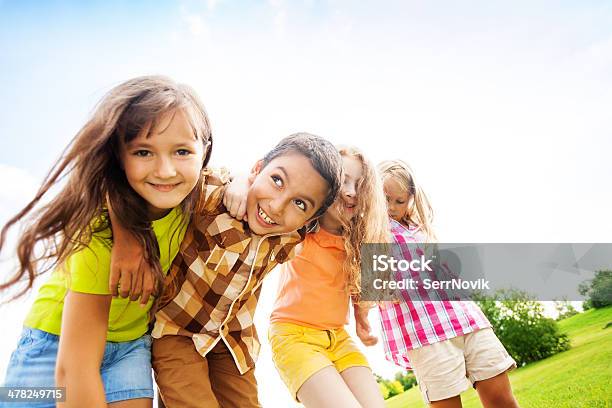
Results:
448 368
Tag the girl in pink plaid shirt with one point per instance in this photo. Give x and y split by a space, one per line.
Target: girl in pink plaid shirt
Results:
449 344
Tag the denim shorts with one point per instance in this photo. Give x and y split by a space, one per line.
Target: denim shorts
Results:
125 369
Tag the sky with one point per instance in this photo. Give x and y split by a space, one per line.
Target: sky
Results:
502 108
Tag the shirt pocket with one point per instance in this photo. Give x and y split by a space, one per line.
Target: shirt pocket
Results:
228 243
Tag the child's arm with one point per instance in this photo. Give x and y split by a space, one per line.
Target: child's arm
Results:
362 324
129 274
81 349
235 197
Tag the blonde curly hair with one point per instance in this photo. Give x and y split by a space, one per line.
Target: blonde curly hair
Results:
371 222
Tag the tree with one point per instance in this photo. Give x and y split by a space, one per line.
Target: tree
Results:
598 291
520 324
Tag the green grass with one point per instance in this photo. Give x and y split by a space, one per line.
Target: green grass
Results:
578 378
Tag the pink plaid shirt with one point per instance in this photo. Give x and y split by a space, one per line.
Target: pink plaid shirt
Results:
417 320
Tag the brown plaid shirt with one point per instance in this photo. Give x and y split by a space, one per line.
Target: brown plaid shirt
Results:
218 274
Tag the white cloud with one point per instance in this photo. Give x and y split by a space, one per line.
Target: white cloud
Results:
18 188
212 4
280 21
597 58
16 181
195 24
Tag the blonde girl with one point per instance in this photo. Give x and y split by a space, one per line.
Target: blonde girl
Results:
449 344
407 202
142 151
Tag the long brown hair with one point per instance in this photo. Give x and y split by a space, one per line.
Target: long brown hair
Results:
420 212
371 222
91 162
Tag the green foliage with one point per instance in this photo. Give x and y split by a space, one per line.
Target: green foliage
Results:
520 324
577 378
565 309
407 379
390 388
383 390
395 388
598 290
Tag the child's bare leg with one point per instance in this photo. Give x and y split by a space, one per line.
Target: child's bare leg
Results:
496 392
362 384
326 388
133 403
454 402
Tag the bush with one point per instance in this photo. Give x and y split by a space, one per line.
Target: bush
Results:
395 388
598 290
384 391
565 309
389 388
520 324
407 379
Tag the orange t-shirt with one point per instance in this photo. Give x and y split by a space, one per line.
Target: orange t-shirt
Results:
312 287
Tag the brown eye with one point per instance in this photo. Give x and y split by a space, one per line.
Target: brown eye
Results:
277 180
301 204
142 153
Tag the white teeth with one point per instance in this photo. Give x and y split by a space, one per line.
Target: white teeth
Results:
265 217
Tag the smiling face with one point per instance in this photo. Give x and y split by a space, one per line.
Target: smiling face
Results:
284 195
398 199
163 166
345 206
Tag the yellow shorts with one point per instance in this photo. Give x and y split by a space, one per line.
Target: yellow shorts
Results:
299 352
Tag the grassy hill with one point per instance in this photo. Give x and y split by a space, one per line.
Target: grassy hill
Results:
578 378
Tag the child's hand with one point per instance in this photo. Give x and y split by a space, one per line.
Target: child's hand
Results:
130 275
362 325
235 197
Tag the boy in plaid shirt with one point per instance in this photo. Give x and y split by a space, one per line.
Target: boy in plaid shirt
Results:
205 343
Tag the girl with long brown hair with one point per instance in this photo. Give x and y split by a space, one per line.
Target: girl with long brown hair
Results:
142 151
